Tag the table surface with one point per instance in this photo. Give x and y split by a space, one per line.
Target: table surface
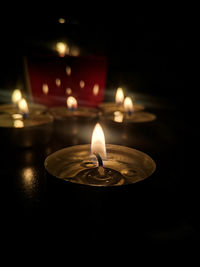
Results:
35 206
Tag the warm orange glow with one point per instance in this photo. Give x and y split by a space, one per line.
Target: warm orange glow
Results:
16 96
62 49
58 82
23 106
61 20
82 84
68 70
68 91
18 124
45 88
118 116
96 89
75 52
72 102
128 105
119 97
98 142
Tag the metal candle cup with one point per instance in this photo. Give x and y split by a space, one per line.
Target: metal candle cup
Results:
91 165
19 132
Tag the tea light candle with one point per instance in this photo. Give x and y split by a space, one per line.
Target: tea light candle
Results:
128 114
118 104
13 107
24 129
72 110
99 165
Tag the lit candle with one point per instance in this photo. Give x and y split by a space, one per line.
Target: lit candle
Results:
119 97
25 129
13 108
23 108
99 164
127 114
16 96
72 103
118 104
72 110
128 106
62 49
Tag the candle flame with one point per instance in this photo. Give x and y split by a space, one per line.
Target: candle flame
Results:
58 82
23 106
45 88
98 142
128 105
62 49
96 89
16 96
119 97
72 102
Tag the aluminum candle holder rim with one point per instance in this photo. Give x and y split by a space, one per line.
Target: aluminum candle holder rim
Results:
145 160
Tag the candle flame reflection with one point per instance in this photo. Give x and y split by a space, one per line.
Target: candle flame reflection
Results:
118 116
18 124
71 102
98 141
119 97
16 96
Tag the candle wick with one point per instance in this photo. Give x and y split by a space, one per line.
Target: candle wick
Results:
100 162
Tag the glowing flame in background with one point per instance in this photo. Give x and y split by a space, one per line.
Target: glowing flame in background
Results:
62 49
96 89
119 97
16 96
61 20
45 88
68 70
128 105
23 106
58 82
72 102
98 141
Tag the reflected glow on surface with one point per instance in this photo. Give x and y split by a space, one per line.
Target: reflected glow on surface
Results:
98 141
75 52
28 175
128 105
62 49
16 96
119 97
23 106
17 116
118 116
96 89
68 70
18 123
58 82
68 91
72 102
45 88
82 84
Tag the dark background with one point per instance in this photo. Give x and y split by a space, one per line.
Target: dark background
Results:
146 53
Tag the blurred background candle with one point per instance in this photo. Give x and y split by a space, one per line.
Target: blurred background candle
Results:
24 129
13 107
